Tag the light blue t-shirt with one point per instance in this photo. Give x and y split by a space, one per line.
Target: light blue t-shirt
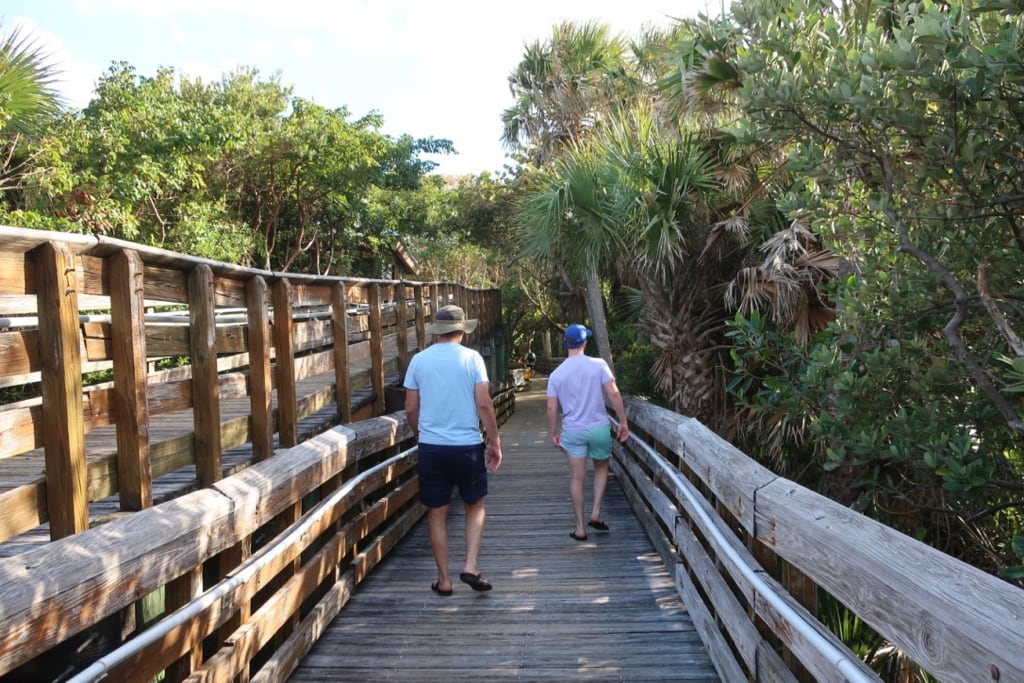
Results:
446 375
578 384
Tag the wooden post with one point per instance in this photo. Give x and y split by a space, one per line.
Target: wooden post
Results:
228 561
473 311
801 587
131 404
401 330
178 593
60 364
205 383
376 348
284 345
421 319
339 327
261 386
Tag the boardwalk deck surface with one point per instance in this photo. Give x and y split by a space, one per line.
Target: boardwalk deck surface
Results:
603 609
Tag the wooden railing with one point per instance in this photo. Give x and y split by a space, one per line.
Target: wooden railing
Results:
72 305
759 560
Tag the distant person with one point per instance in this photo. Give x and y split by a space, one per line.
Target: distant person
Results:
531 359
577 385
447 397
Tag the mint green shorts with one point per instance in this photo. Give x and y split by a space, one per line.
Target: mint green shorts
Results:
581 443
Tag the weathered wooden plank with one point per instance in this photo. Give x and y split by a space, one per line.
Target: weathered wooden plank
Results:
205 384
310 295
731 475
339 333
260 377
376 348
421 334
274 615
166 339
19 353
61 383
961 624
156 545
21 427
284 367
131 404
24 508
401 328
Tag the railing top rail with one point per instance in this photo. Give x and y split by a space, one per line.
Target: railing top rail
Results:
951 618
22 240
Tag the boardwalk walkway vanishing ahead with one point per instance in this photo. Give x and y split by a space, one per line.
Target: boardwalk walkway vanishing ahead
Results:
560 609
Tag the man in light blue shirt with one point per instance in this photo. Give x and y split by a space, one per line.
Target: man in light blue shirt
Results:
447 398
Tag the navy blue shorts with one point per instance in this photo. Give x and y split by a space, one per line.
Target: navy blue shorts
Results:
443 467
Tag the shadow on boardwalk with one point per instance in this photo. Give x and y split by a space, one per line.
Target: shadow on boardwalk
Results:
604 609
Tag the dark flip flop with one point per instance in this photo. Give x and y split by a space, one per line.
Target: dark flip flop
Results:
597 524
475 581
440 592
578 538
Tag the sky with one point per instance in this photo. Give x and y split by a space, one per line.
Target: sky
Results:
430 68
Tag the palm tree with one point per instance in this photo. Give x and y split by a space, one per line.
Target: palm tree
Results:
562 88
568 218
699 232
28 100
703 234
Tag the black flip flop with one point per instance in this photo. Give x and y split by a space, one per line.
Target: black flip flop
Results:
475 581
578 538
440 592
597 524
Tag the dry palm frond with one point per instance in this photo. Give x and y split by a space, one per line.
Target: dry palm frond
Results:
789 242
734 230
734 177
748 291
825 263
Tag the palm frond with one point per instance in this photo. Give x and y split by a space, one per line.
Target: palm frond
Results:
28 94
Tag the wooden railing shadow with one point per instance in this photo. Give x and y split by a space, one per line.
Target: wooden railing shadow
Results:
71 305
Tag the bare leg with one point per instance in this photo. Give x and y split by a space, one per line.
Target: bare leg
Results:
437 525
475 515
577 472
600 483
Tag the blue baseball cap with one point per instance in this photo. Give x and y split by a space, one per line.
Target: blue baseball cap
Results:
576 336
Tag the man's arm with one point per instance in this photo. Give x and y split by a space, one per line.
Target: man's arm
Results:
485 408
612 390
553 421
412 411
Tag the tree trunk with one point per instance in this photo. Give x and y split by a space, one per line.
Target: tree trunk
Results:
595 306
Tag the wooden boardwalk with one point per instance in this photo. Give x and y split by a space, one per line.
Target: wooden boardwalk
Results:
604 609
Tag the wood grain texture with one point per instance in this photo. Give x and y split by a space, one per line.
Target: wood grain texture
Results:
61 382
205 385
131 404
955 620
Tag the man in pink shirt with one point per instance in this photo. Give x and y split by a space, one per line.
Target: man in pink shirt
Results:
579 385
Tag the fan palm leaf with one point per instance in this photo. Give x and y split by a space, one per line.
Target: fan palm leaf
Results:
28 95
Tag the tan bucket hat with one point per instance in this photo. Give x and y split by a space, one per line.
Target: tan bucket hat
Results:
451 319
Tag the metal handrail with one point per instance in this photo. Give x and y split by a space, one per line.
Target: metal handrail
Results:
99 669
